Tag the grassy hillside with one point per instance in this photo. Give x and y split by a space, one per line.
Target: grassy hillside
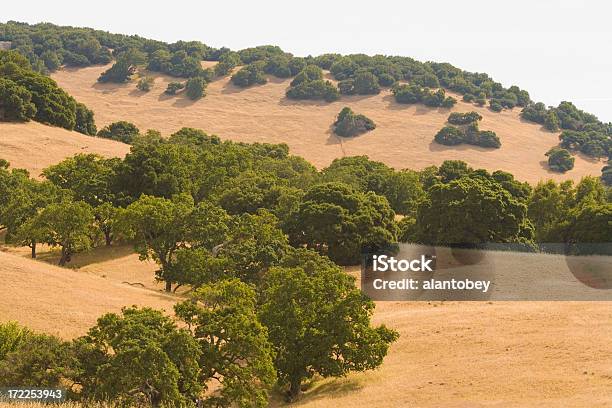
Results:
403 137
510 353
34 146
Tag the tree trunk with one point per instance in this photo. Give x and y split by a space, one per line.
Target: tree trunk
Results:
294 389
64 258
33 246
107 238
168 286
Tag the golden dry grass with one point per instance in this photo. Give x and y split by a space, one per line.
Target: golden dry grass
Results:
62 301
402 139
34 146
450 354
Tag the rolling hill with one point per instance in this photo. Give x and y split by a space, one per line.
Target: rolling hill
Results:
403 137
34 146
449 354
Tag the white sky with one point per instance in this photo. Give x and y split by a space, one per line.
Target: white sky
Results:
556 49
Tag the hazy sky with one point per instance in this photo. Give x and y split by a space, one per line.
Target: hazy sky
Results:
557 50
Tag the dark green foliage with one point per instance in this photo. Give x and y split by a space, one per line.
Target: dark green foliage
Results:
174 87
592 142
259 53
85 120
309 73
236 350
53 105
195 88
35 360
15 102
120 72
145 83
470 134
252 74
328 331
227 63
560 160
366 83
317 89
349 124
551 121
139 357
606 174
415 94
339 222
457 118
495 106
121 131
450 136
471 210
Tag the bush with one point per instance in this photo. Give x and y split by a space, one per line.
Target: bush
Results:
250 75
318 89
457 118
560 160
450 136
174 87
145 83
121 131
350 124
407 93
551 121
309 73
120 72
195 88
606 174
495 106
227 63
592 143
449 102
366 83
347 87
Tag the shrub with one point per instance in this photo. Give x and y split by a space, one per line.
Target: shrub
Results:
560 160
250 75
366 83
487 138
495 106
470 134
606 174
122 131
174 87
449 102
120 72
347 87
227 62
309 73
145 83
450 136
593 143
385 79
195 88
551 121
457 118
350 124
318 89
407 93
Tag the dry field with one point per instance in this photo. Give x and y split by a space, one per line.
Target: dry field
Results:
450 354
402 139
34 146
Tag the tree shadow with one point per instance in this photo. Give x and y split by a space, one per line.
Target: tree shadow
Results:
81 259
284 101
184 101
330 389
437 147
137 93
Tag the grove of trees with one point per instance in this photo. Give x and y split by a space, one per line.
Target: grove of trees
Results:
466 131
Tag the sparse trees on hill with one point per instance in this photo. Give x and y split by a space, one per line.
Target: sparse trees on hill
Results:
252 74
560 160
121 131
195 88
349 124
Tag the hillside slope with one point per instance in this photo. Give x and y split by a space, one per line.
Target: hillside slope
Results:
34 146
403 137
449 354
63 301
